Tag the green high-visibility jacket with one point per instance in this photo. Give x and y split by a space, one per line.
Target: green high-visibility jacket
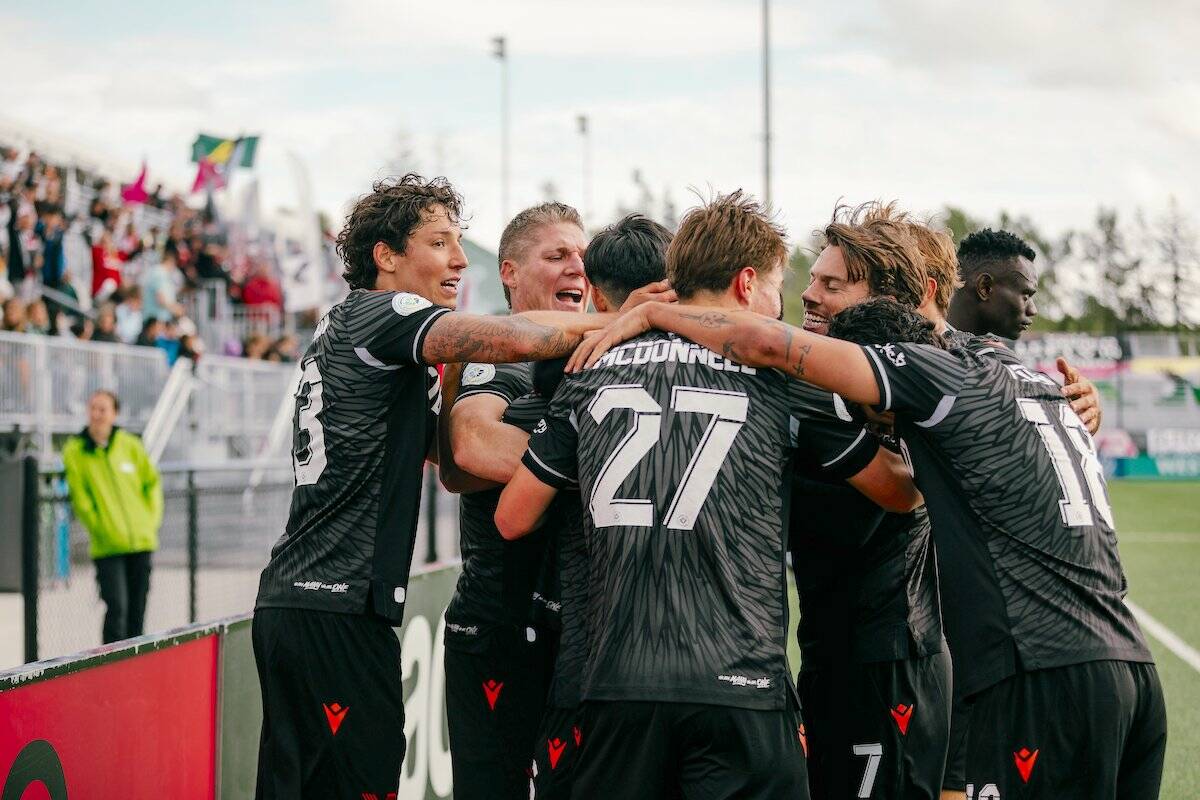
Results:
115 492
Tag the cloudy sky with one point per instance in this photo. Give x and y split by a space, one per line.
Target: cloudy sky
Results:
1041 108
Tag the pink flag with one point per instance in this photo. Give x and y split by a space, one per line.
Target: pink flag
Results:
135 192
208 177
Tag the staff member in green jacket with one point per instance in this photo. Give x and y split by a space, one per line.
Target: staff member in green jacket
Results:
116 494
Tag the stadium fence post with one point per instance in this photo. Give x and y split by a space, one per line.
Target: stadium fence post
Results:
29 556
193 543
431 493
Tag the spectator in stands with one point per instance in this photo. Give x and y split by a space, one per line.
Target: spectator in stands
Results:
14 316
38 317
257 346
23 245
261 288
106 324
152 329
191 346
160 288
168 340
82 329
286 349
106 267
116 495
50 229
129 314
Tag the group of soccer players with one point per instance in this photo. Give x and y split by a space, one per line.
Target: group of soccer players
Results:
620 626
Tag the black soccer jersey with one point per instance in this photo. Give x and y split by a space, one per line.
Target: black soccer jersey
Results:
682 462
365 408
1027 552
867 579
498 578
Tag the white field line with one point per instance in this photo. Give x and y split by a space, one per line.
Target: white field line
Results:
1178 646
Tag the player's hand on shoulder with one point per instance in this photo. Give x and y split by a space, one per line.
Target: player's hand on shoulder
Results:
657 292
1082 394
596 343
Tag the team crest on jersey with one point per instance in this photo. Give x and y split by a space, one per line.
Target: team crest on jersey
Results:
404 303
893 355
478 374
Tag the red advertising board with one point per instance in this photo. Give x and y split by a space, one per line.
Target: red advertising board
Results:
139 727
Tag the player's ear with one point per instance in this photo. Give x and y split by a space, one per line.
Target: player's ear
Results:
931 286
744 285
508 273
984 283
600 301
384 256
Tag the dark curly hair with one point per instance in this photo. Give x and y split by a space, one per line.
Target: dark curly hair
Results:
988 247
881 320
389 214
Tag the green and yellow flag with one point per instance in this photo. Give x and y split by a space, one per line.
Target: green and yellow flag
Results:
221 152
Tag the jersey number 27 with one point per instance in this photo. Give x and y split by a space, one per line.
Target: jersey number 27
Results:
728 412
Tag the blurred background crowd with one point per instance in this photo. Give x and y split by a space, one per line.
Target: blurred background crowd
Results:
82 256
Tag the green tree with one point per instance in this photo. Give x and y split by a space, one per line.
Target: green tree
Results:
794 283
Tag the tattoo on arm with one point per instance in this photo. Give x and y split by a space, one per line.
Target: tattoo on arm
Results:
798 368
710 319
460 337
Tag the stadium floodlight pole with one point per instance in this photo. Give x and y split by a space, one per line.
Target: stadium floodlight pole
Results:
766 54
500 51
585 137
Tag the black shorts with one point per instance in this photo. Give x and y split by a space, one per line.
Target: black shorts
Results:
881 732
555 751
494 703
651 751
1093 730
333 705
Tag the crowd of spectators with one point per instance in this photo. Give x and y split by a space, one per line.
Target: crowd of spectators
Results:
60 227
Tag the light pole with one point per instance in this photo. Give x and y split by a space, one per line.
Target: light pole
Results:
766 54
585 138
500 51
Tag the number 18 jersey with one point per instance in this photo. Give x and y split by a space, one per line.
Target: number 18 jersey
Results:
683 461
1027 552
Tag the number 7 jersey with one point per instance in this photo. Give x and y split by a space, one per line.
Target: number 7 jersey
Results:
1027 552
683 461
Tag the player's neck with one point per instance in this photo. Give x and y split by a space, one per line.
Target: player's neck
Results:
713 300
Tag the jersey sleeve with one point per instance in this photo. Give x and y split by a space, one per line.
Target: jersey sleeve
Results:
506 381
552 453
919 382
829 443
388 329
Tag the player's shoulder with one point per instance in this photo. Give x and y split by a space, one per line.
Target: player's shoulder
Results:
369 303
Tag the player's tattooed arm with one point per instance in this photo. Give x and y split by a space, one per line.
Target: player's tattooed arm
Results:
523 504
530 336
747 338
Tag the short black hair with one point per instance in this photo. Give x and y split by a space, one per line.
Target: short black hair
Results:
881 320
389 214
627 255
987 247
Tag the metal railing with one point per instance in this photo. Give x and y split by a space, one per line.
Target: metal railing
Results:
220 322
45 382
216 537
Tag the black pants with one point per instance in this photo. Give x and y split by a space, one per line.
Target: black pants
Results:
649 751
124 583
1092 731
333 705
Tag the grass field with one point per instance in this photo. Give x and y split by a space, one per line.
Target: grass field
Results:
1159 530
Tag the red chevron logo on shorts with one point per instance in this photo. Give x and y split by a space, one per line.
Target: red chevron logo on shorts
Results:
1025 761
902 714
335 713
555 748
803 739
491 690
578 734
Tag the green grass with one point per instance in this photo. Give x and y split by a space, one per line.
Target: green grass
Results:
1159 531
